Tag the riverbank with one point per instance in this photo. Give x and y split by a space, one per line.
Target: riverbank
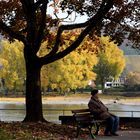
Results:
50 131
76 99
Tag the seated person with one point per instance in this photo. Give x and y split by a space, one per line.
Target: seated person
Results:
100 111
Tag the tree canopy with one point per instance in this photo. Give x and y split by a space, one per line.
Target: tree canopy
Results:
121 22
111 61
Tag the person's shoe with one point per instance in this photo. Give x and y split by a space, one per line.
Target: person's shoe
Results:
114 134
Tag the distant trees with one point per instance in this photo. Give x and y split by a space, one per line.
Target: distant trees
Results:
71 72
74 70
132 81
111 61
57 75
13 65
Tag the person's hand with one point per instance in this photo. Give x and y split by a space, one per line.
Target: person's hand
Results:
112 114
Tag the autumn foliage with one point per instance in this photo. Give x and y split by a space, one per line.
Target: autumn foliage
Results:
29 21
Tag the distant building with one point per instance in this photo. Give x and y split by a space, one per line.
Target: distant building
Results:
115 83
132 65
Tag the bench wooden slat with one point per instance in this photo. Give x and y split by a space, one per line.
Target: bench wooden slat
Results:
83 114
80 111
85 119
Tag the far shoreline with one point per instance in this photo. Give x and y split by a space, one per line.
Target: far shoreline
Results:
72 100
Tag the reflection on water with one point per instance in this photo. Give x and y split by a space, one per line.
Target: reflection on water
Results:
12 114
52 111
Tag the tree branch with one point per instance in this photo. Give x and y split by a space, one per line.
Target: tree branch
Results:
42 25
92 23
11 33
70 27
25 5
59 32
38 4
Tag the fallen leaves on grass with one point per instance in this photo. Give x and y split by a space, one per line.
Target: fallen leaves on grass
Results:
42 131
37 131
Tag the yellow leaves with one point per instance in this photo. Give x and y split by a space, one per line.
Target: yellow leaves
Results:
72 38
14 76
133 79
11 57
111 50
75 69
44 49
4 67
111 60
71 72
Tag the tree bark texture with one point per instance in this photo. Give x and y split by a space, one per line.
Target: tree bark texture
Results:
34 111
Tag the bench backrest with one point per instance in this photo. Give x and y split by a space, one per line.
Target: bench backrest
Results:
81 111
82 115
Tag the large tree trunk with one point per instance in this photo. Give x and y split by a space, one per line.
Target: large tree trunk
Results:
34 111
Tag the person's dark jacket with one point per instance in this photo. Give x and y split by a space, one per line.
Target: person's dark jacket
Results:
98 108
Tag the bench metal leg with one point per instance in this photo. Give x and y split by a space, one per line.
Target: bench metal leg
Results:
97 128
78 131
90 130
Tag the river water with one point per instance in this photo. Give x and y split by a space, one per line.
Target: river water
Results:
16 111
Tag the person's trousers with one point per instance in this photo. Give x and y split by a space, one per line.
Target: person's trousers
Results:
112 124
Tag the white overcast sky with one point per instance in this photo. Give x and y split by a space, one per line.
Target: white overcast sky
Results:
79 18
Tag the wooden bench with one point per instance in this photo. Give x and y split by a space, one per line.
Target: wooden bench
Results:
84 119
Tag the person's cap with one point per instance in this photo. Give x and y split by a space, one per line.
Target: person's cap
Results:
94 91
